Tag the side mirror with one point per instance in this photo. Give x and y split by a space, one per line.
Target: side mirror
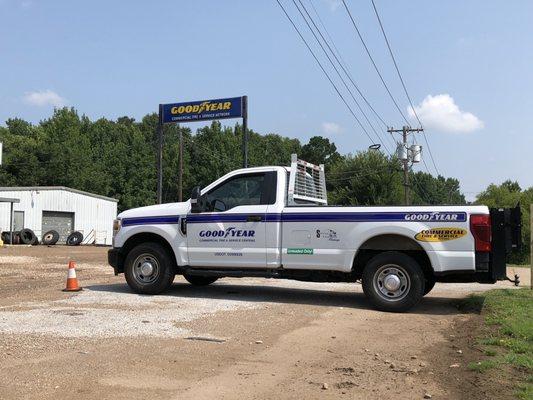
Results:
195 200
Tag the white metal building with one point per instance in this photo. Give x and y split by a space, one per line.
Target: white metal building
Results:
65 210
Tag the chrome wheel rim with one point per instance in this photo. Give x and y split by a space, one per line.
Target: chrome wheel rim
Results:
146 269
391 282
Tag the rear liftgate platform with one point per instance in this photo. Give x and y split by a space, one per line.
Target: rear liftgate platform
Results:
506 237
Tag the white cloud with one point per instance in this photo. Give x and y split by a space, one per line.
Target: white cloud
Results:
44 98
331 128
442 114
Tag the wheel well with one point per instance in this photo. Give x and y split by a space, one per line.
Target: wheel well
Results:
381 243
144 238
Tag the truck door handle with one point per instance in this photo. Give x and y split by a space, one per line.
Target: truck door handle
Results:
254 218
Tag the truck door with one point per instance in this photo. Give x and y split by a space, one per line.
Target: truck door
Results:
230 230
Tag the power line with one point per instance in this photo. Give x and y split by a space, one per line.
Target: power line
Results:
374 63
403 85
430 153
358 175
324 71
394 61
333 64
344 63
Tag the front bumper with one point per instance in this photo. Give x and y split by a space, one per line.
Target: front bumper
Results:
116 260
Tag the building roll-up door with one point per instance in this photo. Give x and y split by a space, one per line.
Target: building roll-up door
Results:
62 222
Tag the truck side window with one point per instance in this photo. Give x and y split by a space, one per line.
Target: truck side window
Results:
241 190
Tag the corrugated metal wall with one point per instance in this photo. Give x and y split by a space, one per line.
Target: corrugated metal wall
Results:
92 215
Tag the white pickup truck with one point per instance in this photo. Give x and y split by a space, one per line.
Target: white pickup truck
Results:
274 222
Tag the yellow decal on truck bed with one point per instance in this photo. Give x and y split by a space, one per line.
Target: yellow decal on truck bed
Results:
440 234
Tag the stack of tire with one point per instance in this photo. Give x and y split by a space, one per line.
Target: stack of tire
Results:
27 236
51 237
6 237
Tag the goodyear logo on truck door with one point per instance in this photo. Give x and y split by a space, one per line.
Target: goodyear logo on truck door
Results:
440 234
202 110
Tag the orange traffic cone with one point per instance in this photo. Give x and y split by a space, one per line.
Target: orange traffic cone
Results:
72 281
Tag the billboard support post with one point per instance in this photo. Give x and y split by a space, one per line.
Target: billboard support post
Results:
160 156
245 131
180 174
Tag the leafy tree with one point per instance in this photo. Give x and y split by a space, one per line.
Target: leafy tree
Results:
320 150
68 159
366 178
426 189
21 147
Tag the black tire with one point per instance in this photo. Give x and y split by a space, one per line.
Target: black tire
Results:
74 239
403 272
50 238
159 259
429 285
27 236
6 238
200 280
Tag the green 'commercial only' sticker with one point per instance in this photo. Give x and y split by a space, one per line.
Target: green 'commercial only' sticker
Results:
300 251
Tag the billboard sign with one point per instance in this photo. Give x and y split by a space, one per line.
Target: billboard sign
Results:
201 110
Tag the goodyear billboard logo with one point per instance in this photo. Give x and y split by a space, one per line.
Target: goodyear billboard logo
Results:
202 110
440 234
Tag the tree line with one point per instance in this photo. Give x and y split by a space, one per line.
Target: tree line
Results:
118 159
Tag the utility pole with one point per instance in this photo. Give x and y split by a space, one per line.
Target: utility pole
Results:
159 160
405 160
180 173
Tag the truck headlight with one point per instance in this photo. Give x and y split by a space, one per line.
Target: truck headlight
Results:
117 224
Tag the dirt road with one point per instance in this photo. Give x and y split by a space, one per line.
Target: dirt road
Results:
236 339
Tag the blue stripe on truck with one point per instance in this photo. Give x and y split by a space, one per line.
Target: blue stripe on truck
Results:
166 219
421 216
424 216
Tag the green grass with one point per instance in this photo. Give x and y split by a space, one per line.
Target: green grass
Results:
482 366
525 390
508 340
490 352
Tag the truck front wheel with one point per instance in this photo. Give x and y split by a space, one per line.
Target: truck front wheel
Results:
429 285
149 269
393 281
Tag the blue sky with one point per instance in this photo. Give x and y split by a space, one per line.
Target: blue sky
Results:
124 58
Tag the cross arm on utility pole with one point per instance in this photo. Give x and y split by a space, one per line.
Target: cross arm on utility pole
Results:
408 129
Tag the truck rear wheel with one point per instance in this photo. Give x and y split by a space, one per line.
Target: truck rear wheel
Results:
149 269
393 281
196 280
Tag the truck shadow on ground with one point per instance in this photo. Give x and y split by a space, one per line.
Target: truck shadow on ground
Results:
288 295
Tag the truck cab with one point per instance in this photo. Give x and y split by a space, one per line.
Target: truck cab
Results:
275 222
